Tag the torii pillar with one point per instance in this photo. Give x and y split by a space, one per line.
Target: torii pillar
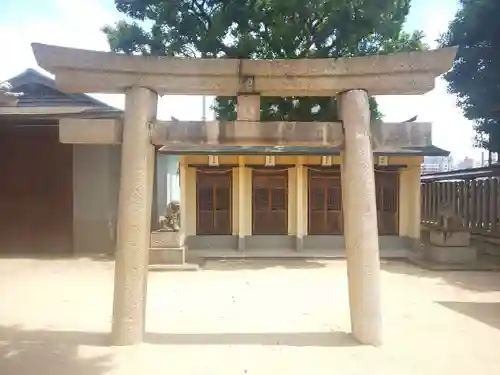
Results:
360 219
134 217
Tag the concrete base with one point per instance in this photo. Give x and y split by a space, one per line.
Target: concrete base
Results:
167 255
491 248
453 238
167 249
317 243
174 267
164 239
192 255
487 263
487 245
241 243
451 254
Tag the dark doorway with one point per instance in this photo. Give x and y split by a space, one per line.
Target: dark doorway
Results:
36 190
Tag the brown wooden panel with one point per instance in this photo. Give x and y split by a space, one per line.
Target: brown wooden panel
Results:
270 202
213 202
36 193
325 202
387 196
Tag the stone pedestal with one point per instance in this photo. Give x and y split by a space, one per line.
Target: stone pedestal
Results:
452 239
167 248
450 247
168 252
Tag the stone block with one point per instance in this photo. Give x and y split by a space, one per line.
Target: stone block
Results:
451 254
167 255
164 239
449 239
492 248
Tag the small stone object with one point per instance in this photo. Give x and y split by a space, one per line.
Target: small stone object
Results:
171 222
448 220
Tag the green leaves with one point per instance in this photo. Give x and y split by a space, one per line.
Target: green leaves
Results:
475 77
265 29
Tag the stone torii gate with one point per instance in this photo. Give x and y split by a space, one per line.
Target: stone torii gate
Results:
142 79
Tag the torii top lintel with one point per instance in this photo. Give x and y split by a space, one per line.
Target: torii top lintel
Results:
408 73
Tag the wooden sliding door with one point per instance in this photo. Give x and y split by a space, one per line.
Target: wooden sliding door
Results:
387 193
213 202
325 202
270 202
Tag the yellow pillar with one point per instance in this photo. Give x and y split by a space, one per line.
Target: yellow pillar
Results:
241 203
360 219
415 210
300 209
183 197
134 218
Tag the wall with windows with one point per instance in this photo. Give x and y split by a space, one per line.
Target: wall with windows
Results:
407 197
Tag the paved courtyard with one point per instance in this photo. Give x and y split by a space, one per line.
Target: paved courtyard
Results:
246 318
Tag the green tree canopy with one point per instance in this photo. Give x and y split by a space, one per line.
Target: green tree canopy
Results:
265 29
475 77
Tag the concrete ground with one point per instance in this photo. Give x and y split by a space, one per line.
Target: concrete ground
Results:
258 317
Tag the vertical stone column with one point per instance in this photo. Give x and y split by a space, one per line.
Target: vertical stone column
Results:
360 219
299 245
248 107
134 218
241 203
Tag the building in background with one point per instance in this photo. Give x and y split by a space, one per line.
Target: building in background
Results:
467 163
434 164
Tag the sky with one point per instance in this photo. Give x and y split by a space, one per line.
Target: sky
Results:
78 23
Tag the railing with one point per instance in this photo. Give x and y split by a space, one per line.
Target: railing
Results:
476 202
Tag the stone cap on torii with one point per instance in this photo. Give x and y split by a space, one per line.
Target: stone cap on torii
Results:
408 73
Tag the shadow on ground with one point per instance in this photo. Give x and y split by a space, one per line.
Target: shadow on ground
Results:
56 256
297 339
484 312
24 352
480 281
259 264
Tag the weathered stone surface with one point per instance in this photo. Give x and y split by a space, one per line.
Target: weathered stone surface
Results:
165 239
453 238
387 136
448 254
134 218
178 135
167 255
79 70
360 219
208 134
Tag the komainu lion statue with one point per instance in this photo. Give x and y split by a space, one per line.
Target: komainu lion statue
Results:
172 219
448 220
